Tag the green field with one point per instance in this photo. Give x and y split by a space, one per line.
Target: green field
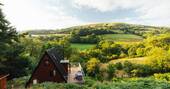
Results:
119 38
47 35
139 60
82 46
123 37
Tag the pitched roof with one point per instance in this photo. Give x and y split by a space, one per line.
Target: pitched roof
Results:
56 56
3 76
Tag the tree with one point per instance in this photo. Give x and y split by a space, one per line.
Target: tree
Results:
111 70
11 59
92 66
8 35
140 52
132 51
74 37
159 59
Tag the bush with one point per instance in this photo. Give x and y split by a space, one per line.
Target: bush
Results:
138 83
141 70
18 82
165 76
73 86
111 70
159 60
118 66
51 85
93 66
128 67
89 82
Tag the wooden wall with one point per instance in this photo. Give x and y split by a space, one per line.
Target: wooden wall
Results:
3 83
44 72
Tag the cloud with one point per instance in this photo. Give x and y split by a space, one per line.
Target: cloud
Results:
30 14
148 11
107 5
46 14
158 9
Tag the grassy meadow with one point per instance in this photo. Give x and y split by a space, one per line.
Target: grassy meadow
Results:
82 46
123 37
118 38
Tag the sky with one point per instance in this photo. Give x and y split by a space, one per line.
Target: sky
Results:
56 14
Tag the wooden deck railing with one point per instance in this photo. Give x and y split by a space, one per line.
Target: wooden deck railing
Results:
74 68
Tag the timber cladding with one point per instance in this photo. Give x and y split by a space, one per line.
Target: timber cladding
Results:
49 69
3 81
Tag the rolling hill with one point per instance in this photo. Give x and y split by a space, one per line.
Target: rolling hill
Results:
109 27
119 32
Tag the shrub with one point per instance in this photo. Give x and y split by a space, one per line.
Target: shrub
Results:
92 66
165 76
118 66
128 67
138 83
89 81
51 85
111 70
18 82
73 86
159 60
141 70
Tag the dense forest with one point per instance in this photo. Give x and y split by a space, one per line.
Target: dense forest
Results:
122 56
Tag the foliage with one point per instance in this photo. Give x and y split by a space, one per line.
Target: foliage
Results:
165 76
12 60
111 70
49 85
20 53
109 28
138 83
91 39
162 41
90 83
18 83
159 59
32 50
8 35
92 66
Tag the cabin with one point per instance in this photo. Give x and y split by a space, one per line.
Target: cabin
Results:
3 81
52 68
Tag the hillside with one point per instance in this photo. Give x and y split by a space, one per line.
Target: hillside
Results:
109 57
118 32
123 37
108 28
117 28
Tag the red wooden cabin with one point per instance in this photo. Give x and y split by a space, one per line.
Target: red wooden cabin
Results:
52 67
3 81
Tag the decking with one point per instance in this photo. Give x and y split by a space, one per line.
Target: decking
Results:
71 76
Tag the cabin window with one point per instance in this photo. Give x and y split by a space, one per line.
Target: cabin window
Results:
53 73
46 63
35 81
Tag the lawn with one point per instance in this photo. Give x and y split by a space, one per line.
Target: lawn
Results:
123 37
82 46
118 38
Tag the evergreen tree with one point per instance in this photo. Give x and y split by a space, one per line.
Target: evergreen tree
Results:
8 35
12 59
